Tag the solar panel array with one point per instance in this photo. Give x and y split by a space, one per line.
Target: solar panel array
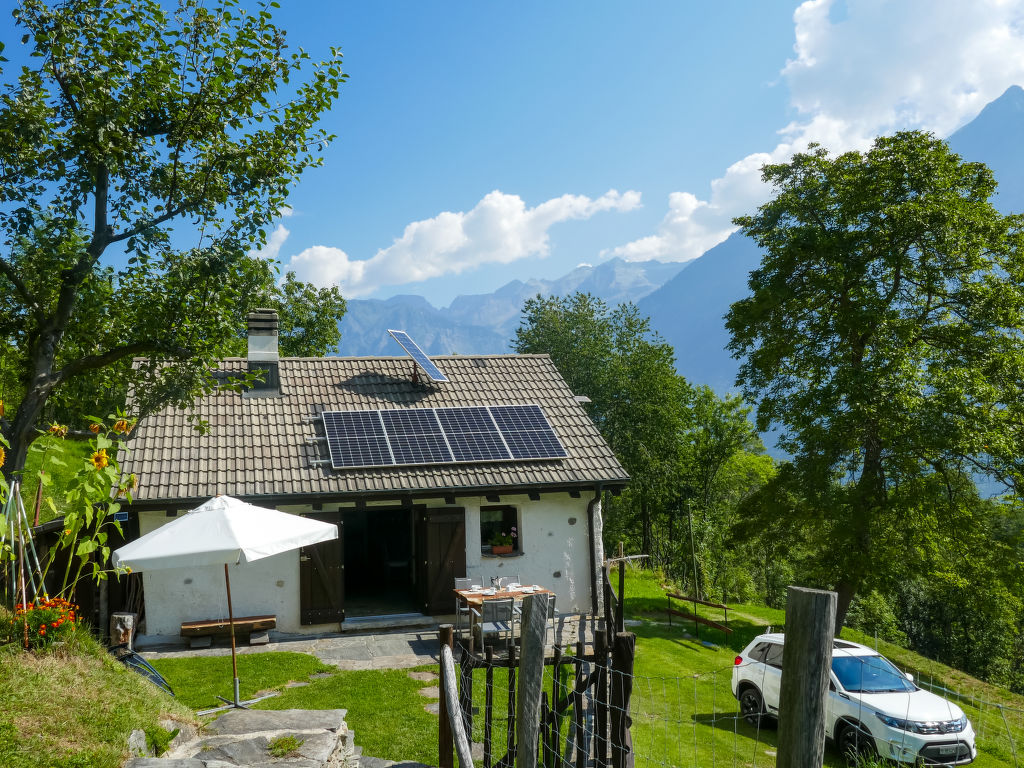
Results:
413 350
409 436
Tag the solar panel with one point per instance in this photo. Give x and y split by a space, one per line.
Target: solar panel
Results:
410 436
415 437
472 434
356 439
527 432
413 350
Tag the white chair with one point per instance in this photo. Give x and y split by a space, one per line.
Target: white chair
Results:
495 617
461 607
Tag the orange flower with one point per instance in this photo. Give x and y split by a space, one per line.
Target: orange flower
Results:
42 630
95 428
3 456
120 426
100 459
58 429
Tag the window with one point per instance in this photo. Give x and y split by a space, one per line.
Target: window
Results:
499 527
774 656
759 651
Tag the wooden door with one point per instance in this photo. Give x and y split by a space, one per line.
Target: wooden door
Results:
322 576
441 543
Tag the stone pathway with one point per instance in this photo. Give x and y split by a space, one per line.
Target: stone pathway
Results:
393 650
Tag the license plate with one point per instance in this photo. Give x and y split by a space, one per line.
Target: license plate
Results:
947 750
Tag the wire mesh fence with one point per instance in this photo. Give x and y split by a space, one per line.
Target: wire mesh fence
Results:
684 722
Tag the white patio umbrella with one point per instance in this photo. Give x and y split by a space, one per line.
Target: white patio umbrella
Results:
222 531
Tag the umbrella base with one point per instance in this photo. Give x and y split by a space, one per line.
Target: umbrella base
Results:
236 704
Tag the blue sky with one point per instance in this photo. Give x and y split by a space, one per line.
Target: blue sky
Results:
480 142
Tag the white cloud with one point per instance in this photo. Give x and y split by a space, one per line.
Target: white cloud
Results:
274 242
499 229
860 69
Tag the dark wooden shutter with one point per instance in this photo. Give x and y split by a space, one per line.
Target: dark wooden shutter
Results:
322 576
442 534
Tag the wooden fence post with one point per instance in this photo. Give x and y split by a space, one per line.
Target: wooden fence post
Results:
810 622
601 701
623 652
531 678
445 742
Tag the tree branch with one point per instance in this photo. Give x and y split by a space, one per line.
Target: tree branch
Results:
19 285
92 362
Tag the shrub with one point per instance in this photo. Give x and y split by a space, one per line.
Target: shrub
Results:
49 620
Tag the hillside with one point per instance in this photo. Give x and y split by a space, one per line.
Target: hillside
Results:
75 707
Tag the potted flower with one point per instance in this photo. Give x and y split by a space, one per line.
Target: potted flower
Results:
504 543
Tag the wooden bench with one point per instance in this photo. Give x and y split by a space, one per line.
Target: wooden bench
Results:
244 626
697 620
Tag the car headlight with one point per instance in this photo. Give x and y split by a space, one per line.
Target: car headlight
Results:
924 727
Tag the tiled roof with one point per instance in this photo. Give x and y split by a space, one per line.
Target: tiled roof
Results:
261 446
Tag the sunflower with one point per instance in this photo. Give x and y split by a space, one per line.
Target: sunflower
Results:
100 459
3 456
121 426
58 429
95 428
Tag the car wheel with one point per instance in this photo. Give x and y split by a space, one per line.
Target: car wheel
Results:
856 745
752 705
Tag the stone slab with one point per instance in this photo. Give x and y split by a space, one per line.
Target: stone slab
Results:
159 762
423 677
430 692
238 721
205 641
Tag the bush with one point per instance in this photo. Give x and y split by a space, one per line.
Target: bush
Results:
50 620
873 613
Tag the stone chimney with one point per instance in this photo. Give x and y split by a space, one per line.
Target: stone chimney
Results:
262 355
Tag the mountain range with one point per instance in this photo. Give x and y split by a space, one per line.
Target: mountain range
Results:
685 301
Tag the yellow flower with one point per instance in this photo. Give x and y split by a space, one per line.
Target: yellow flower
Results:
58 429
121 426
100 459
3 456
95 428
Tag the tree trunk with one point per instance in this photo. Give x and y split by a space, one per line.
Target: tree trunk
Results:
846 590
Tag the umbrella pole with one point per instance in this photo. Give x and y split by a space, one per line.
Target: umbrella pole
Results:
231 624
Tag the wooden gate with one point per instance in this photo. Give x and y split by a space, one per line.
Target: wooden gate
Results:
322 576
441 535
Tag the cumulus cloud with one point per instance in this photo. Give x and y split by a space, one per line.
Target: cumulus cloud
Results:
274 242
499 229
860 68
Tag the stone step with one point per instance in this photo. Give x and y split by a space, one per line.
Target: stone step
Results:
241 737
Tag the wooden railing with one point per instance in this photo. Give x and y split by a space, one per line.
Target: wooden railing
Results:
694 617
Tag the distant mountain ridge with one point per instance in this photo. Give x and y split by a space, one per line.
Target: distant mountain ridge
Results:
688 310
486 323
685 305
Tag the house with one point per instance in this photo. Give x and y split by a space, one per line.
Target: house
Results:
408 526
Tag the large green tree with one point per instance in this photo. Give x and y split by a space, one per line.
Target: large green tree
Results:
126 120
881 337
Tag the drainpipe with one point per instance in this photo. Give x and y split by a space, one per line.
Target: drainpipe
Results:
595 524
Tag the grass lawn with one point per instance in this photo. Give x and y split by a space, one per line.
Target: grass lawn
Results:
385 708
74 707
683 711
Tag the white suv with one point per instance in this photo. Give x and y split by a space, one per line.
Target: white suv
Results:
873 708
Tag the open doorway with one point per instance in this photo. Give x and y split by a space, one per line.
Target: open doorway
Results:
379 556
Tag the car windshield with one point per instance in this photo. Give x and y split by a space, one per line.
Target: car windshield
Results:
869 674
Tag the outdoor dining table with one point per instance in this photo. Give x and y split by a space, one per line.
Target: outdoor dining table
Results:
475 598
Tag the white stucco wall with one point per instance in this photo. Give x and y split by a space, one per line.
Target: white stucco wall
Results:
554 545
268 586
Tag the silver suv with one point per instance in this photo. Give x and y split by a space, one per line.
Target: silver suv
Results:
873 708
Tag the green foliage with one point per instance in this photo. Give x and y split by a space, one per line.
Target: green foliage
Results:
159 738
284 746
691 455
39 624
127 120
880 338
